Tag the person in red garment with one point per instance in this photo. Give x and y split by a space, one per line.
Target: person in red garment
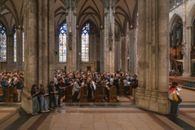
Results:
174 98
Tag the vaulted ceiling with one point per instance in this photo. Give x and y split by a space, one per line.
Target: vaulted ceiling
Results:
11 12
86 10
125 13
93 10
60 11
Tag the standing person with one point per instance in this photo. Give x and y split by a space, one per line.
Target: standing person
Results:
52 97
4 85
134 85
35 102
19 87
11 89
174 99
42 98
126 86
76 90
61 92
93 88
90 90
116 83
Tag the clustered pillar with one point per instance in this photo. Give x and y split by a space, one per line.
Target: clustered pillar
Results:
152 54
36 69
109 37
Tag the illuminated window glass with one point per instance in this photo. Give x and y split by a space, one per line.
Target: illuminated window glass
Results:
3 41
63 43
85 43
15 46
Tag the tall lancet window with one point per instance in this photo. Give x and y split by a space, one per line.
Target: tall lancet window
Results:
15 46
3 45
85 43
63 43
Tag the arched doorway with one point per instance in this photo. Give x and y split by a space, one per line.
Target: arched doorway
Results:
176 47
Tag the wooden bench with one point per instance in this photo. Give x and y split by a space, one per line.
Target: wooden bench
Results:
99 94
83 94
113 94
68 94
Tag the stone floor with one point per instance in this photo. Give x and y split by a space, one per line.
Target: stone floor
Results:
100 118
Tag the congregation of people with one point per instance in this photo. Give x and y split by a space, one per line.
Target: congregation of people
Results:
77 87
82 87
11 86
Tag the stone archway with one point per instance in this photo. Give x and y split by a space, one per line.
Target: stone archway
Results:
176 46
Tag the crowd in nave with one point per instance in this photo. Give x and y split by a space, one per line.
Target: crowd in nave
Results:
82 87
11 85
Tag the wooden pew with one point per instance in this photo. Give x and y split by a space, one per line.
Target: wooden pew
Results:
113 94
83 94
68 94
99 94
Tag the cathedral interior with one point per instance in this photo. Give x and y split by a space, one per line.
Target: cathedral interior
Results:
97 64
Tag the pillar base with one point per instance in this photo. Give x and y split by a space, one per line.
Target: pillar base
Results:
26 102
139 96
155 102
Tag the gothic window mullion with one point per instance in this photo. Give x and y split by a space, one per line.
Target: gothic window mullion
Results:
3 43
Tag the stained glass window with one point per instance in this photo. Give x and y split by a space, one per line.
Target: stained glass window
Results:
63 43
23 46
85 43
3 39
15 46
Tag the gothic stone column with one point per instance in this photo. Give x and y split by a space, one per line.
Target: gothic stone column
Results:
31 53
102 50
43 42
131 51
109 40
139 96
153 56
36 48
187 51
8 65
163 58
52 45
19 48
72 39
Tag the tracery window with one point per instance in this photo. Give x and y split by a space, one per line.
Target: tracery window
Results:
15 46
63 43
85 43
3 41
